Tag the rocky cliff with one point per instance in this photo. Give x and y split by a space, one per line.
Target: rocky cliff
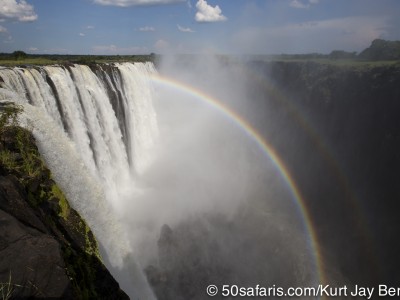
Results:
336 126
46 249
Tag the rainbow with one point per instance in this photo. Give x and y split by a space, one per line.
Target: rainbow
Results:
268 151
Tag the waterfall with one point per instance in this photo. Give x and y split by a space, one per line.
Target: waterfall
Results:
95 127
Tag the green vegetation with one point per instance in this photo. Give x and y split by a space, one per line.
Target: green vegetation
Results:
340 54
344 63
18 152
63 203
19 55
19 58
9 115
380 53
7 159
37 61
381 50
20 157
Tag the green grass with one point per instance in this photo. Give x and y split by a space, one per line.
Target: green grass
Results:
42 60
18 152
37 61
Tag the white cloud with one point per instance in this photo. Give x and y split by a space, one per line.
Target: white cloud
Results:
113 50
33 49
90 27
4 32
81 34
207 13
162 46
147 29
126 3
185 29
9 40
300 4
350 34
17 9
56 51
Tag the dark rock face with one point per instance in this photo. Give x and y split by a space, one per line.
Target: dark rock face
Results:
215 250
190 259
34 264
46 248
338 132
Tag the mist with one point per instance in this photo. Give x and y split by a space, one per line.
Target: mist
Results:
211 206
180 194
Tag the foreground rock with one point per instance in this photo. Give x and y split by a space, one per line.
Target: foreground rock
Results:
46 248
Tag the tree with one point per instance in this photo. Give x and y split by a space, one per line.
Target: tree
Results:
382 50
19 55
340 54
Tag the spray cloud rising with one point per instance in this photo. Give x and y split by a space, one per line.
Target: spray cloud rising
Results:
171 186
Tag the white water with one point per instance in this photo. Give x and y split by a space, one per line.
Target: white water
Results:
80 137
97 130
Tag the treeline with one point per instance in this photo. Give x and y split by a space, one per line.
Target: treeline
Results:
86 59
379 50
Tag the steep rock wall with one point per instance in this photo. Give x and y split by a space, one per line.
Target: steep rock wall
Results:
336 127
47 249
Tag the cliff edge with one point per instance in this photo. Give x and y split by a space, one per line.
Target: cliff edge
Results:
46 249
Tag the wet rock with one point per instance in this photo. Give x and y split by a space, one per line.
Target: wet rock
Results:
47 250
31 258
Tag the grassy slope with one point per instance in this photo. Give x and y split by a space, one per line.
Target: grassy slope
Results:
41 60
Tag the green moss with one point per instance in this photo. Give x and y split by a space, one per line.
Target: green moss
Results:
9 115
18 152
20 157
82 275
91 245
62 201
7 159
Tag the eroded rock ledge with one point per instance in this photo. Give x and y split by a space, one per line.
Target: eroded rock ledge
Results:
46 249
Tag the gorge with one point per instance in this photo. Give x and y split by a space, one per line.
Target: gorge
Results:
218 172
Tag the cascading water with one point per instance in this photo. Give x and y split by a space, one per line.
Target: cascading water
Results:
99 134
95 128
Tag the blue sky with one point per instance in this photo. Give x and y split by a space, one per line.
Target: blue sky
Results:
195 26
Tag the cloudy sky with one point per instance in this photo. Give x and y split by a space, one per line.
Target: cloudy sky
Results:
195 26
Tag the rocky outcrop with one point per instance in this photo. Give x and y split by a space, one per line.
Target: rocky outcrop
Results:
214 249
32 261
46 249
336 126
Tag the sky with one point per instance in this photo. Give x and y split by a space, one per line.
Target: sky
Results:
195 26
